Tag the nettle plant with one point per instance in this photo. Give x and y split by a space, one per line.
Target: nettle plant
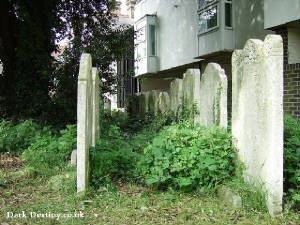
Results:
185 157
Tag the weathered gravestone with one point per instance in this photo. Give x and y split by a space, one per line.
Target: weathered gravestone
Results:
213 96
257 114
143 102
107 104
96 101
163 102
87 118
191 90
176 95
153 102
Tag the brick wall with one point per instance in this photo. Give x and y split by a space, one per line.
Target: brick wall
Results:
291 75
291 99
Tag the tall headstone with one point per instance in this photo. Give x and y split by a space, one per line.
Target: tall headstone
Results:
176 95
191 90
84 120
257 114
96 101
213 96
87 117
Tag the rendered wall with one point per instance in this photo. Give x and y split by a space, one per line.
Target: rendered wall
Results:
280 12
176 30
248 21
294 44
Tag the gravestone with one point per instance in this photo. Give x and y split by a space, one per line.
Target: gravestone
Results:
213 96
107 104
257 115
176 95
163 102
191 90
153 101
96 101
87 118
143 101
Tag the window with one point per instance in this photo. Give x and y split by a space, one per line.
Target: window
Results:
228 13
146 45
203 3
141 43
152 40
207 15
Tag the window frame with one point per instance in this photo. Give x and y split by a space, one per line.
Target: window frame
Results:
152 43
139 42
211 5
228 2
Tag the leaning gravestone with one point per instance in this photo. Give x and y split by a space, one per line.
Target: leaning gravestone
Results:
191 90
87 114
213 96
257 114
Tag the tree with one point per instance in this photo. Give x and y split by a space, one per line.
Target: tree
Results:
29 31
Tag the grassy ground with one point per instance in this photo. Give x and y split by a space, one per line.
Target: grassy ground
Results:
127 204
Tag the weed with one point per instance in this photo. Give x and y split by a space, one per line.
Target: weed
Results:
185 157
50 151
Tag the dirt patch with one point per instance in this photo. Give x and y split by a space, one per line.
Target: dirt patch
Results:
10 162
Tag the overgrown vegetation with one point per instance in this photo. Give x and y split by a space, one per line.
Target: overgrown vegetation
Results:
50 150
43 148
16 138
291 160
166 153
186 157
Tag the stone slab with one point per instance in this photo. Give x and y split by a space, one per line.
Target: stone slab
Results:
257 114
213 96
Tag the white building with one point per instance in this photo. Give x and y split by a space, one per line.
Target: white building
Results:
173 35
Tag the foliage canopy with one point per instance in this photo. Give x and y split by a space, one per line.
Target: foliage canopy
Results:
30 31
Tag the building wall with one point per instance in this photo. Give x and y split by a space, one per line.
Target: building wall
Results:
291 75
248 21
289 10
293 45
148 84
176 30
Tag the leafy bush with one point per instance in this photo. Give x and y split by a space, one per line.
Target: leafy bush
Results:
185 157
291 158
51 151
112 158
15 139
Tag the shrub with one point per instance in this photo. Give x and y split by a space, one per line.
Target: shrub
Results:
51 151
291 158
16 138
185 157
112 158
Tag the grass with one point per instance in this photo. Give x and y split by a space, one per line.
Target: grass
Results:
128 204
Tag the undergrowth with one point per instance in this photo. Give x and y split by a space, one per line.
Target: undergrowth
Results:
291 160
186 157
